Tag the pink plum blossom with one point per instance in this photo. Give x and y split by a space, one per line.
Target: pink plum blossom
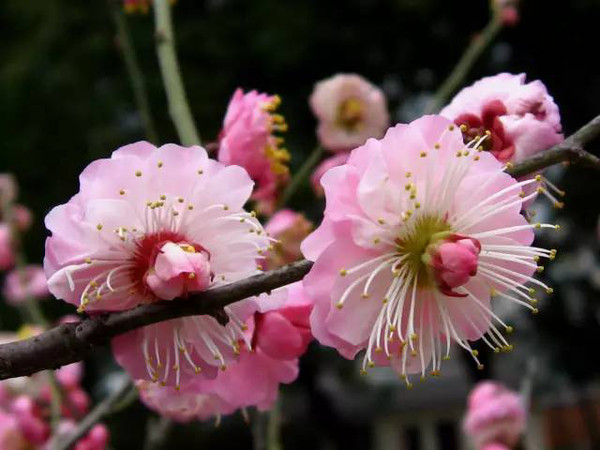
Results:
248 139
7 256
279 335
289 228
329 163
349 110
495 416
21 284
96 439
522 118
404 229
152 224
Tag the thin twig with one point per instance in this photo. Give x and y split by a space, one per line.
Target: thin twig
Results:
101 410
132 65
464 65
301 175
167 57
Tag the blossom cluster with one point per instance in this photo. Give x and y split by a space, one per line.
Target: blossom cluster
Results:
26 405
422 227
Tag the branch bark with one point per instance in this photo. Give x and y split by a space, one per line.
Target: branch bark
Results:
570 150
69 343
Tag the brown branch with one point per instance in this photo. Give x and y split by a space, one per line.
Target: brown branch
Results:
71 342
570 150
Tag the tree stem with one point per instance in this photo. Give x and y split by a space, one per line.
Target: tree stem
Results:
465 64
171 74
135 74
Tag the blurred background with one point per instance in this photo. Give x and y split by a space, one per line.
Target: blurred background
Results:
65 99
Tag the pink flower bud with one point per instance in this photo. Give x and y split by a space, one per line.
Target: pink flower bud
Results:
19 285
7 257
454 262
8 188
289 228
178 269
96 439
22 217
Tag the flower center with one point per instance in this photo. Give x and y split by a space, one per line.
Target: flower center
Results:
147 252
350 114
412 246
473 127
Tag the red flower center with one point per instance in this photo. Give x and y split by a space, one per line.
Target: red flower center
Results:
473 127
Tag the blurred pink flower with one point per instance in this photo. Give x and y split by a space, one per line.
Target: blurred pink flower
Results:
7 256
522 118
29 417
349 110
280 337
374 283
289 228
507 10
147 224
248 140
20 284
328 163
11 437
8 189
96 439
495 416
22 217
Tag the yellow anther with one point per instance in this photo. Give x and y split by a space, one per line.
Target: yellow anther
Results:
557 227
339 305
371 364
225 207
538 225
549 291
535 311
533 301
475 352
378 350
363 372
191 275
417 205
540 269
200 171
463 128
559 205
446 358
536 258
190 207
343 272
223 367
380 221
476 158
88 260
459 154
437 146
538 178
376 241
175 213
413 353
488 132
451 128
122 192
384 301
364 295
480 367
159 164
138 173
409 386
423 154
408 174
509 329
99 226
